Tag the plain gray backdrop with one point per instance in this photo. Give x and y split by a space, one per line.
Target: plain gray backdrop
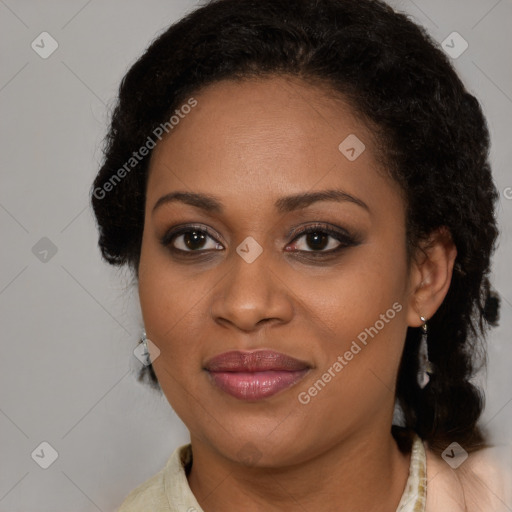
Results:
69 322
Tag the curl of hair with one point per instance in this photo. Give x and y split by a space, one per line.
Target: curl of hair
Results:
431 135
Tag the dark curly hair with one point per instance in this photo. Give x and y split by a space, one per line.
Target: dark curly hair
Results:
430 132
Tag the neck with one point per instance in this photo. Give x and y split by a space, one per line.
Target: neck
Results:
365 472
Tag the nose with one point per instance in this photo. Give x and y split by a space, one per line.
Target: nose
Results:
251 295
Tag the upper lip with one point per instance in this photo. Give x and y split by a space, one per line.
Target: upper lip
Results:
254 361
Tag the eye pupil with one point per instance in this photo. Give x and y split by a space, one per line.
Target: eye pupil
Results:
193 237
317 240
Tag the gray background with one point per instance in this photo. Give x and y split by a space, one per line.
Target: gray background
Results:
69 322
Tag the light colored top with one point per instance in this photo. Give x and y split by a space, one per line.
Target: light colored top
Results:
414 498
475 486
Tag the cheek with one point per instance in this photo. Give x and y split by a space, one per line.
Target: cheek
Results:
172 316
361 288
171 307
358 312
167 301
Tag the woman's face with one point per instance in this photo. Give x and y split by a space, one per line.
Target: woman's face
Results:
252 157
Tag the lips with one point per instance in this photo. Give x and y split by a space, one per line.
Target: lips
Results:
255 375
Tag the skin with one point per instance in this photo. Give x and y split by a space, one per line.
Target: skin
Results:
248 144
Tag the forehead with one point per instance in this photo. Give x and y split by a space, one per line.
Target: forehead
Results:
261 139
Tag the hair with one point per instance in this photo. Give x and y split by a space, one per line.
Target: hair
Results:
430 131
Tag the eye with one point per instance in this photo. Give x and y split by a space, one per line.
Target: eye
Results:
190 239
321 239
317 237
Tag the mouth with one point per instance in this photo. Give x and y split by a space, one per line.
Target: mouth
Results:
255 375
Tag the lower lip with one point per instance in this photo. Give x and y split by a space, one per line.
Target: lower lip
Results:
256 385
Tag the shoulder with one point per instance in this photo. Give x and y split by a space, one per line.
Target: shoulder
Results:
149 492
154 494
479 483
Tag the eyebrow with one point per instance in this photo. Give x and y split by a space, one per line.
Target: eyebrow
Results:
283 205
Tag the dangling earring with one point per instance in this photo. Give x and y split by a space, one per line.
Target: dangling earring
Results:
142 353
145 352
425 366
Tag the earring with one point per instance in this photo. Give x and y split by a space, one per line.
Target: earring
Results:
425 366
146 361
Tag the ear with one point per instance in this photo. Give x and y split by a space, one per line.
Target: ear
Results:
430 275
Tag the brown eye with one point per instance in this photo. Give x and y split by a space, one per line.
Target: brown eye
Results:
322 239
190 239
318 241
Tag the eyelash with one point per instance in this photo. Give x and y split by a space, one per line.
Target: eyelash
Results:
345 239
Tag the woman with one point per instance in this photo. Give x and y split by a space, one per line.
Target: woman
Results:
302 190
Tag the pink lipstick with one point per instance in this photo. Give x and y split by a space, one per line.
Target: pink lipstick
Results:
255 375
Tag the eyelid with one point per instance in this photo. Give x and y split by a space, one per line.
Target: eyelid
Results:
320 226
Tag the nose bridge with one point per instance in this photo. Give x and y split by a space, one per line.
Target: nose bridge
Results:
251 291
